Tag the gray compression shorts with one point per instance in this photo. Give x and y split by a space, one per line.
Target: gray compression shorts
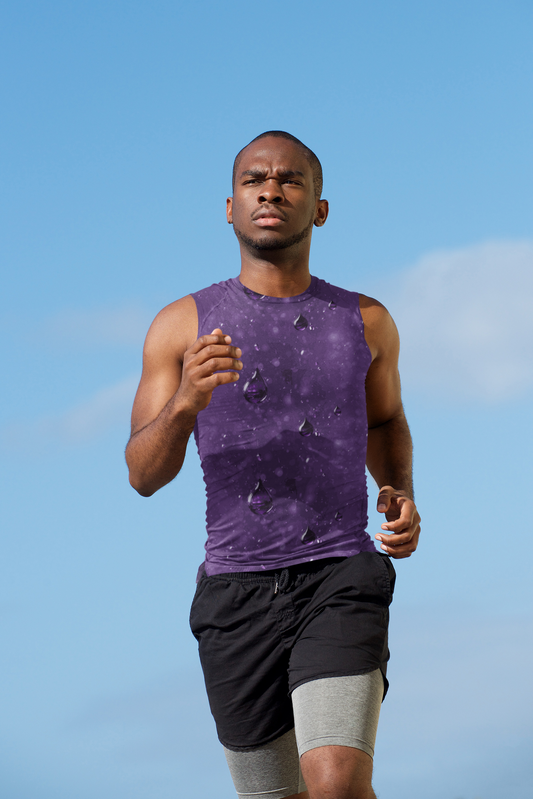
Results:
334 711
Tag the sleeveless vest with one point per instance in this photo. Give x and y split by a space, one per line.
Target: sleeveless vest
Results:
283 449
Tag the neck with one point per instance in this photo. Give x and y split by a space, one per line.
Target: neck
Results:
275 273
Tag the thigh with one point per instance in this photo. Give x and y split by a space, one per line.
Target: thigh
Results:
271 771
338 711
243 659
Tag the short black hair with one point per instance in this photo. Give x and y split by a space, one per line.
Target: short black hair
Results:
311 158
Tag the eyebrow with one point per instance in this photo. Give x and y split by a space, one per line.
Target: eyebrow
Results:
282 173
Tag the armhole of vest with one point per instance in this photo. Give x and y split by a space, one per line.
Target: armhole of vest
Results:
361 322
199 312
204 307
358 313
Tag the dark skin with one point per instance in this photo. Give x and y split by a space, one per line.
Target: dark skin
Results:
273 211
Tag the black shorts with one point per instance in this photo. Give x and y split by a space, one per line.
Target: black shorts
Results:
261 635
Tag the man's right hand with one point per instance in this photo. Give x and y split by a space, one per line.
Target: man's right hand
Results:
210 362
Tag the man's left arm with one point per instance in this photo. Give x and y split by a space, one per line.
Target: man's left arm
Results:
390 450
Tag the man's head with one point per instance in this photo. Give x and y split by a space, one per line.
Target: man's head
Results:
311 158
277 183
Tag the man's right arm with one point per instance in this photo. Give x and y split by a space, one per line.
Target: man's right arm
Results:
179 375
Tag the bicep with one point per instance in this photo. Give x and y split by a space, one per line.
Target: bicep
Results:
383 392
171 333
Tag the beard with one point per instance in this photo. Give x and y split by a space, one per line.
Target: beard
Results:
267 244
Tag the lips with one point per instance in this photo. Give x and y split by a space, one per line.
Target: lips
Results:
265 215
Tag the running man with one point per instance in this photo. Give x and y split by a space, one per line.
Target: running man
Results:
290 386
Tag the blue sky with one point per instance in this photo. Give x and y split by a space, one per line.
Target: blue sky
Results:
119 125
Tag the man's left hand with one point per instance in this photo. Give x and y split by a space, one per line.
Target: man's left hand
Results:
403 523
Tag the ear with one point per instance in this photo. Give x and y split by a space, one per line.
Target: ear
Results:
229 210
322 211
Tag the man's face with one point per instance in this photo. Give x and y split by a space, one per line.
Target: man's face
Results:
274 205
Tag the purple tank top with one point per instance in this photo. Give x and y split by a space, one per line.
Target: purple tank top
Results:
283 449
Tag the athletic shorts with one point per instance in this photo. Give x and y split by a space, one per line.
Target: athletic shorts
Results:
263 634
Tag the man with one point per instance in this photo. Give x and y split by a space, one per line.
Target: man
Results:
283 377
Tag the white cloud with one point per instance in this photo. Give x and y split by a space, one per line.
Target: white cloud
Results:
84 422
465 321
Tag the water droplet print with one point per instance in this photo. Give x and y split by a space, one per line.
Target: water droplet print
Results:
259 500
300 323
338 516
337 410
306 428
332 305
308 536
255 390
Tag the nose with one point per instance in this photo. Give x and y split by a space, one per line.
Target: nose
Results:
271 192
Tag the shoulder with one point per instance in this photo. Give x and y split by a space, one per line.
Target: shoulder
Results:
328 291
174 329
380 331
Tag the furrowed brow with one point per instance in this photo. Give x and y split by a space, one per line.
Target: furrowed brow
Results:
290 173
253 173
282 173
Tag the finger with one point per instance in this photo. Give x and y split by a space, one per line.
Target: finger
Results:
199 377
396 539
399 539
402 510
407 515
406 552
219 379
218 332
400 550
209 340
214 350
216 360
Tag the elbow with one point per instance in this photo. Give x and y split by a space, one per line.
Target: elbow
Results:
141 487
137 479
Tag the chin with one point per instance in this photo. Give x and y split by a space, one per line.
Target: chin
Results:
271 243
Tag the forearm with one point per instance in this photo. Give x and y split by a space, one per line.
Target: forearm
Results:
390 455
155 454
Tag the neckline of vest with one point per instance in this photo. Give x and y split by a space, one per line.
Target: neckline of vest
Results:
310 291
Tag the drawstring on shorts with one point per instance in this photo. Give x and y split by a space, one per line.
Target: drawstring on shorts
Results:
282 581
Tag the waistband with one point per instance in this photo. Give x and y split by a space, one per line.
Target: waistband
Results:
280 578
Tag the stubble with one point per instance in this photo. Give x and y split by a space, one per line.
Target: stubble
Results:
265 243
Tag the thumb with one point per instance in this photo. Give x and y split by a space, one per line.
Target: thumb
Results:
384 499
